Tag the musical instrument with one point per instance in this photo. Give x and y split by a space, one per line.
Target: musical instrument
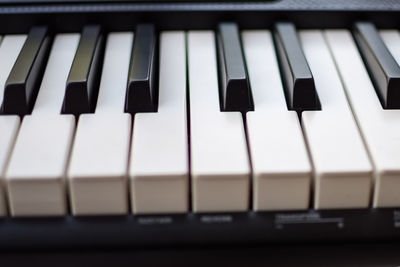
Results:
148 124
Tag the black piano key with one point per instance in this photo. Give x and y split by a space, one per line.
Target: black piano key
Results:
383 68
83 78
141 91
297 77
235 89
22 84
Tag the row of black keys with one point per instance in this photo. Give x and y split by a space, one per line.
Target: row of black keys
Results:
82 83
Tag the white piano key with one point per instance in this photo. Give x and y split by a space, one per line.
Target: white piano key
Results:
343 173
35 175
159 155
36 172
8 130
99 160
10 48
380 128
52 89
21 86
113 82
281 168
219 160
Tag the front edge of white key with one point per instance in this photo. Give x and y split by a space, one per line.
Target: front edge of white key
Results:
36 173
98 169
8 130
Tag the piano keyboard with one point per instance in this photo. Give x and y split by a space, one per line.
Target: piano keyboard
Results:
200 121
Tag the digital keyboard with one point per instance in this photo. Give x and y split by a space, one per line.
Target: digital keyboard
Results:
187 123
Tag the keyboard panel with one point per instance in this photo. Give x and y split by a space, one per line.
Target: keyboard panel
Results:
208 121
204 116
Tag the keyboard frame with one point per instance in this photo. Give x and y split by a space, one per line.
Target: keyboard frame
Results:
122 16
189 229
201 229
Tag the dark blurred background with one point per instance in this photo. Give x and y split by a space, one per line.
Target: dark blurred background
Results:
377 254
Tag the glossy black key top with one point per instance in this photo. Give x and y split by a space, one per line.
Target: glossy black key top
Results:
141 92
382 66
83 78
236 94
297 77
22 84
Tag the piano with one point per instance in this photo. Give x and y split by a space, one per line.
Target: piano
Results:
159 123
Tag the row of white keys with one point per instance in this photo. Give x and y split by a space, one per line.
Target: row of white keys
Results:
10 48
281 168
97 174
159 168
219 162
380 128
343 173
36 172
159 153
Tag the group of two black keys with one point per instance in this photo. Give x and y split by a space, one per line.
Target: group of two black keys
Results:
82 83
